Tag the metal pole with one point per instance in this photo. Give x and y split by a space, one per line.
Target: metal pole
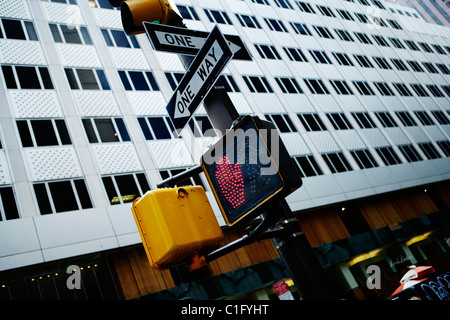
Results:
299 258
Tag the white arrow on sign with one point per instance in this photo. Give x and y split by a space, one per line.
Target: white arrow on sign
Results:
185 97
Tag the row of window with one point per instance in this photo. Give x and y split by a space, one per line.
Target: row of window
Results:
17 29
317 86
337 161
53 132
73 194
30 77
320 56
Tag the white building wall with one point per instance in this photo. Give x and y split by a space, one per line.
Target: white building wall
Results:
35 238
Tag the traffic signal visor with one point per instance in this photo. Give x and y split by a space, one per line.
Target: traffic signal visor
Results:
237 169
176 225
134 12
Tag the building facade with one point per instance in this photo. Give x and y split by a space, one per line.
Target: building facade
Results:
360 95
434 11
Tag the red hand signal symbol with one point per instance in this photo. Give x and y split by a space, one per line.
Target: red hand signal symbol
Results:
229 178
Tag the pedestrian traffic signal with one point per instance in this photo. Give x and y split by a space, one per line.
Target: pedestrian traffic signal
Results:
134 12
177 226
248 168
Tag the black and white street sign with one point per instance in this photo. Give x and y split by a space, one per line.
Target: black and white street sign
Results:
200 78
185 41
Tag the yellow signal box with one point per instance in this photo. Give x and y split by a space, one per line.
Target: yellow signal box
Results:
177 225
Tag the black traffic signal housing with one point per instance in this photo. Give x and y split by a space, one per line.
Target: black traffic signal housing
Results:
134 12
249 168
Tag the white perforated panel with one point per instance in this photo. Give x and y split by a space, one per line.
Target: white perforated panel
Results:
351 103
412 103
248 67
108 18
62 13
394 103
15 9
5 177
417 134
76 55
278 68
294 144
268 103
323 141
212 4
374 103
170 154
375 137
327 103
48 163
436 133
116 158
21 52
96 103
170 61
444 102
126 58
299 103
351 139
240 103
397 136
147 103
35 104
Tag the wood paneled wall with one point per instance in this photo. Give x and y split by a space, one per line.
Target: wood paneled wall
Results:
323 226
391 210
136 278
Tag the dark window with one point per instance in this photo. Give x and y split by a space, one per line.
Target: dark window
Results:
125 188
70 34
339 121
311 122
106 130
72 79
44 133
24 132
388 156
138 80
28 78
13 29
159 128
9 204
120 38
336 162
9 77
45 76
83 194
87 79
63 132
410 153
42 198
308 166
429 150
406 118
364 158
364 120
63 196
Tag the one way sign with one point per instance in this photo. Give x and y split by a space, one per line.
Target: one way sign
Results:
200 78
187 41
